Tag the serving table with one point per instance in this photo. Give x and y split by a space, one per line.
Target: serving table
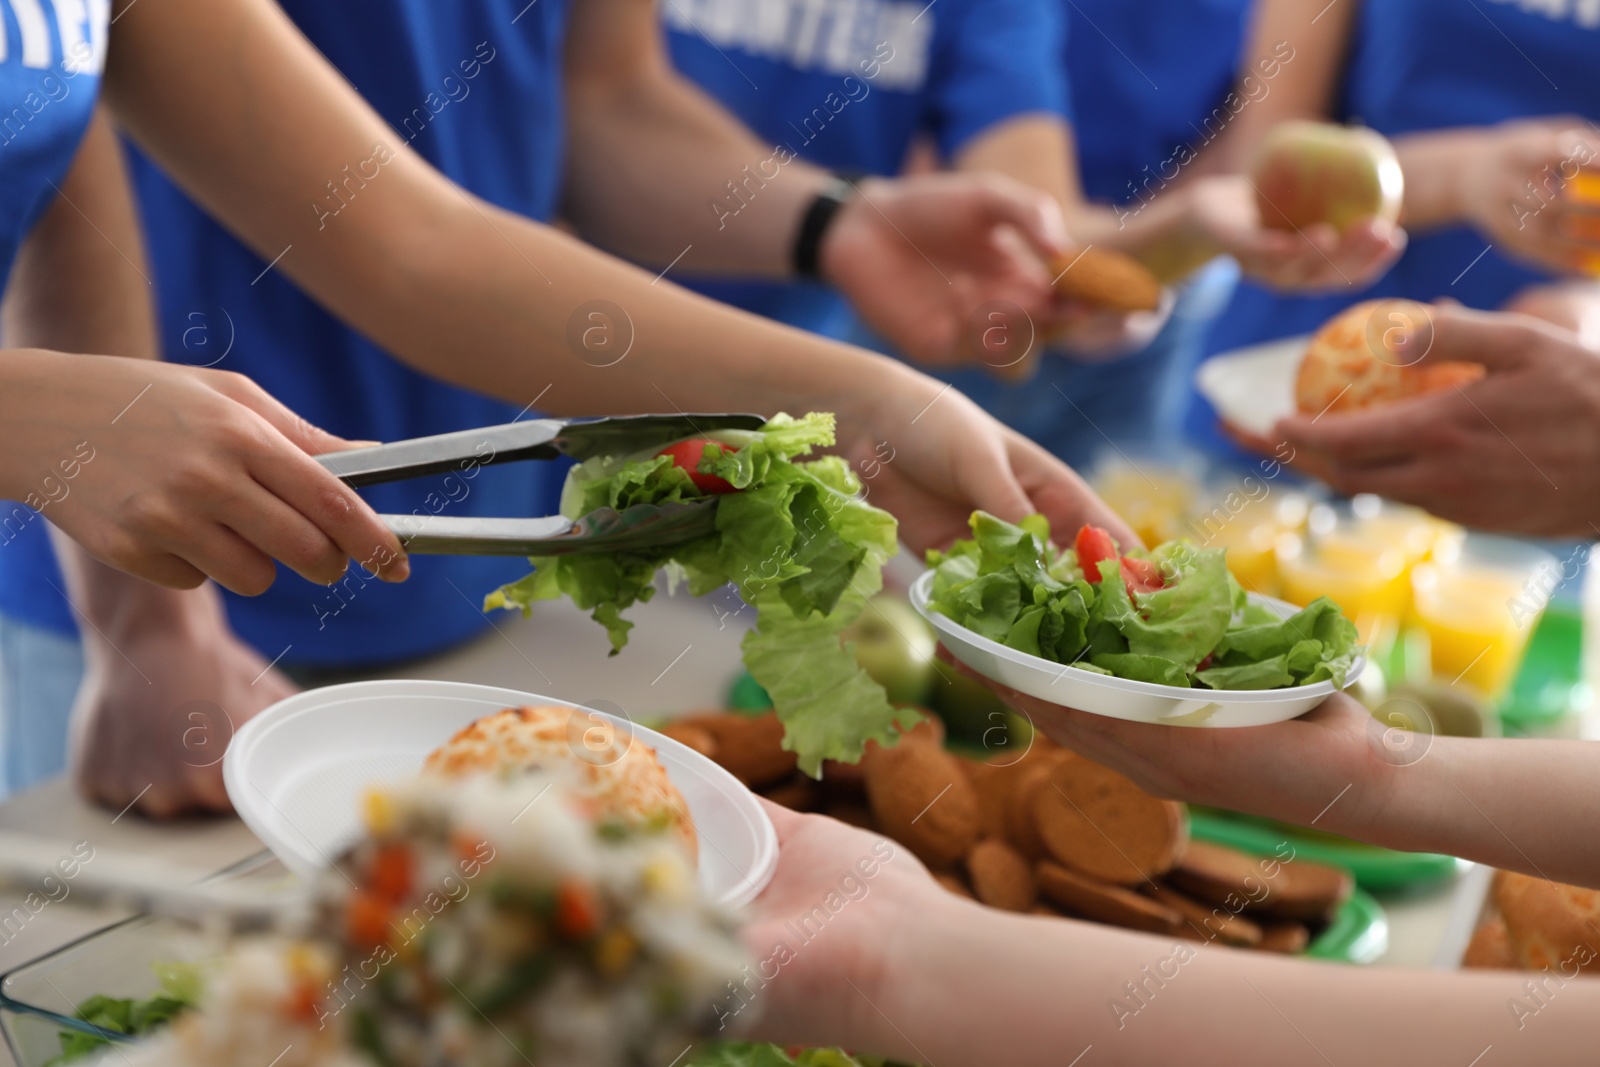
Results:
682 655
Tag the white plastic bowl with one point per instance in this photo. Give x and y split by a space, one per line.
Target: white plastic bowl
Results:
296 772
1122 698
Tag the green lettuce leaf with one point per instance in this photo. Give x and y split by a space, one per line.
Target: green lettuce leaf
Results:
798 541
745 1054
1181 623
1009 583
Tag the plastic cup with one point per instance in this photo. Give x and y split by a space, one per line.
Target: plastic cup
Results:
1479 602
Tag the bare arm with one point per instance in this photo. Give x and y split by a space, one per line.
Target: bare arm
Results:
1318 37
422 267
488 300
80 283
902 968
652 156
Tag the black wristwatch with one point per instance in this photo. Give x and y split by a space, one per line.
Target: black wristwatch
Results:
818 217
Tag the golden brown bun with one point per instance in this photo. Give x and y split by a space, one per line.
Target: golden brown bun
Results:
1108 279
798 792
1490 948
1549 924
1354 361
615 770
1289 938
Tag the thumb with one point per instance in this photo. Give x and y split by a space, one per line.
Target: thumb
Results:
299 431
1033 214
1498 341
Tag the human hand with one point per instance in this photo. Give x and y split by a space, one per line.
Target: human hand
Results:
1291 770
179 473
1512 193
1222 216
1092 335
1571 305
858 888
919 257
166 683
1507 453
930 456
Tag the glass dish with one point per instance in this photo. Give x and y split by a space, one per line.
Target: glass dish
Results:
38 998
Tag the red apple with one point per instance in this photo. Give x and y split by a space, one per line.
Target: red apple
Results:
1310 172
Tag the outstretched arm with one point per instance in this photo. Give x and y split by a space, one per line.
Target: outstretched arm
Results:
496 303
861 948
660 171
1512 804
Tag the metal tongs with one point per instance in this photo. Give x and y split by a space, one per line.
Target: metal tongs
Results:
601 530
39 868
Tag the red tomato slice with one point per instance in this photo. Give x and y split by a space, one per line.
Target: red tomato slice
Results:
1093 545
1142 575
687 455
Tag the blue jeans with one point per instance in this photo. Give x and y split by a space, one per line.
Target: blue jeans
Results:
39 673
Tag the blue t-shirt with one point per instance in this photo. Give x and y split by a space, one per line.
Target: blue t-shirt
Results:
1148 82
50 62
475 86
1149 89
1431 64
851 84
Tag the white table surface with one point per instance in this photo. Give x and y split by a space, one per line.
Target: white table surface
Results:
682 656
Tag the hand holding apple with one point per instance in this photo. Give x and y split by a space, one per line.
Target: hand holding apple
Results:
1307 173
1224 215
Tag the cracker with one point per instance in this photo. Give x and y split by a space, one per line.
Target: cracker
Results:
1097 822
1208 922
750 747
1103 902
921 798
1000 876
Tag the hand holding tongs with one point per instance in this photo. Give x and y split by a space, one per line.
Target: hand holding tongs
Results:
602 530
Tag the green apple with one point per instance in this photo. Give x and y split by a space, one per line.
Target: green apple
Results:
968 707
1310 172
895 646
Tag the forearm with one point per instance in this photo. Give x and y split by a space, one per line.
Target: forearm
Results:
1523 805
459 289
1572 304
972 986
81 284
1434 163
657 169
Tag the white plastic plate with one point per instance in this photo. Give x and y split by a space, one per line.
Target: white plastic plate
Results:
296 772
1122 698
1252 388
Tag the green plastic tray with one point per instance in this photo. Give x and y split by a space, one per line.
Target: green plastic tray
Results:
1373 867
1358 934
